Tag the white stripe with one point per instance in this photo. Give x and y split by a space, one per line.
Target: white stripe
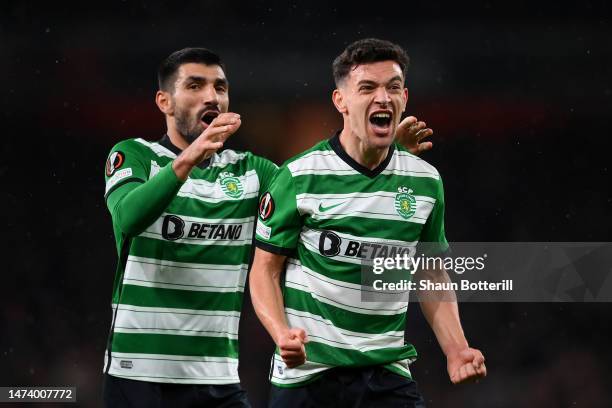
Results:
210 192
323 331
175 332
212 324
281 374
320 162
242 227
343 295
411 173
375 205
218 160
307 232
403 366
226 157
228 314
175 369
369 247
328 162
405 161
157 148
186 276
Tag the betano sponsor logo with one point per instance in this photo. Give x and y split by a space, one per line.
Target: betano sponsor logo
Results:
174 227
330 245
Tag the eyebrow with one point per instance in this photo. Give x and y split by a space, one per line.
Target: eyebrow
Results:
200 79
370 82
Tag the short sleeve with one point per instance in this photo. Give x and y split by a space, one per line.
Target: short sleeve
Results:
433 236
125 163
279 222
266 170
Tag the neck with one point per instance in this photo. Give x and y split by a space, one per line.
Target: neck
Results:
367 156
176 138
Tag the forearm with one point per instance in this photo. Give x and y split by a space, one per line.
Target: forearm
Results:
135 206
442 314
266 293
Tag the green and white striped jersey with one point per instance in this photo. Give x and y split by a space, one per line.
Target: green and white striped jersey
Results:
179 284
328 213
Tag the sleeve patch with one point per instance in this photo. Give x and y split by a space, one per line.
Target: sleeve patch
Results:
114 162
119 175
263 231
266 206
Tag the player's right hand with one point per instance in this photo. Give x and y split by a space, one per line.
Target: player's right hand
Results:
291 346
213 136
211 140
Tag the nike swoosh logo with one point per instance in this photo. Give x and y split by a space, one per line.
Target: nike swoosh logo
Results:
323 209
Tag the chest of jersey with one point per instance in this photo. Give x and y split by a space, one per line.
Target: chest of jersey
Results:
215 206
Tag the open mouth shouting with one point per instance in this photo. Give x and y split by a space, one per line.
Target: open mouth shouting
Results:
208 116
380 122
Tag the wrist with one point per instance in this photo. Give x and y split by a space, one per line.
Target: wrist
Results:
182 167
453 350
278 333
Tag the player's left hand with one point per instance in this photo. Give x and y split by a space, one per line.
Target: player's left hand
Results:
411 132
467 365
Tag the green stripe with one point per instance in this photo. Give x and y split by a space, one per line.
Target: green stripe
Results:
341 271
180 299
174 345
358 183
322 353
192 207
342 318
178 252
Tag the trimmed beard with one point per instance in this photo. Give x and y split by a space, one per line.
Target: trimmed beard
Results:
189 127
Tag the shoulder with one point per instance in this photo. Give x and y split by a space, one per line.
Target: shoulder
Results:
261 161
316 156
141 148
408 162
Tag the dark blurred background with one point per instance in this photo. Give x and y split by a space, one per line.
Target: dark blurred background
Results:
519 97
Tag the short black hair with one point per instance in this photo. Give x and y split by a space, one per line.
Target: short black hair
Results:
366 51
166 72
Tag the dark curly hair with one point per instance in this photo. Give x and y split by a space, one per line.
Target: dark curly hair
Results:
366 51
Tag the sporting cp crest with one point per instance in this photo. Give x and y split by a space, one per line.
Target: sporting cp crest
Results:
231 186
405 203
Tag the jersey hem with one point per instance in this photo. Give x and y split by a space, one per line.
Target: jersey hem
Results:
229 380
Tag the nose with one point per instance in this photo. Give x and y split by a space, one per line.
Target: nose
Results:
209 95
382 96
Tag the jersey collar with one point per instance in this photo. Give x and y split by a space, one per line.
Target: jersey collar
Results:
165 141
371 173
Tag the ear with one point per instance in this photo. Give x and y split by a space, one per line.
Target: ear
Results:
338 100
164 102
405 98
